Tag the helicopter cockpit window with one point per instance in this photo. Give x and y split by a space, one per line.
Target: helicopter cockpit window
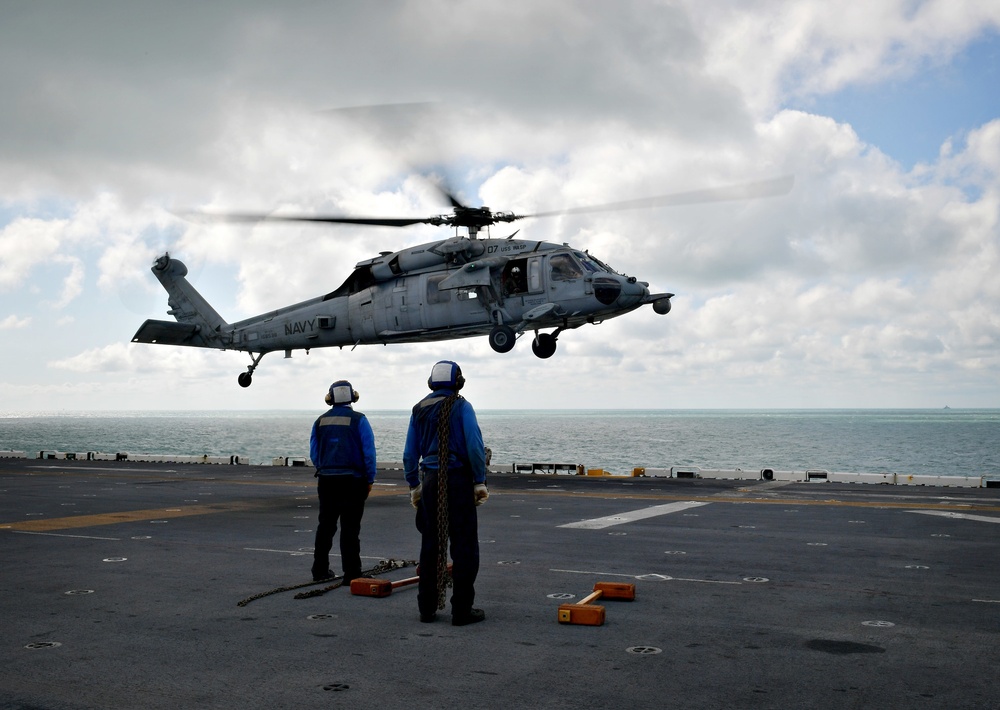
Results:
589 265
564 267
603 265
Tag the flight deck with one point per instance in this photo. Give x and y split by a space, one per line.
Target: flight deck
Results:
130 584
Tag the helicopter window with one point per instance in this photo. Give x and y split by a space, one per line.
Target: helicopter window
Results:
603 265
564 268
587 263
535 274
515 277
467 294
433 294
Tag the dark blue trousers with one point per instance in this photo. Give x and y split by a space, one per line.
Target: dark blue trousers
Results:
463 527
340 498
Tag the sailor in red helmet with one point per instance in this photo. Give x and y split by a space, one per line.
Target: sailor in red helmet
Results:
342 448
447 512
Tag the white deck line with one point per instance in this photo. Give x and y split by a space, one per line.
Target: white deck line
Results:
963 516
632 516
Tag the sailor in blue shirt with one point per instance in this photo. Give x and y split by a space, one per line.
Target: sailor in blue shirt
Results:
464 490
342 448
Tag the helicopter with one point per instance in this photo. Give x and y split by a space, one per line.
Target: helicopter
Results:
461 286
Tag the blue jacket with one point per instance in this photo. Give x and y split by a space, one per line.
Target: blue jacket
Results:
465 440
342 443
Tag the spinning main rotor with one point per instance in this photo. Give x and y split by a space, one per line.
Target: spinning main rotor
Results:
476 218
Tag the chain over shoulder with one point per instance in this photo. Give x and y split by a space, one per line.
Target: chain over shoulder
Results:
444 454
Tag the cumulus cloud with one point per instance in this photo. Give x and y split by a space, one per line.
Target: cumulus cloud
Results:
25 242
124 118
13 323
782 50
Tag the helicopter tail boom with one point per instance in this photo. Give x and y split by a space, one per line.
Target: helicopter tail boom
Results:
198 324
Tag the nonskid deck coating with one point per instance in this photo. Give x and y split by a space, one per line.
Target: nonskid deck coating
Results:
800 595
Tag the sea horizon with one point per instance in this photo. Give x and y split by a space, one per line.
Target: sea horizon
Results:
954 442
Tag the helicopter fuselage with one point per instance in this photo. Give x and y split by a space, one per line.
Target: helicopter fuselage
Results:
455 288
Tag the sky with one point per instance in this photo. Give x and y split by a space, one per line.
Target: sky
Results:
873 283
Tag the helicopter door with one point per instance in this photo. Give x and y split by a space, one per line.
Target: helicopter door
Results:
362 316
565 277
521 277
451 307
402 310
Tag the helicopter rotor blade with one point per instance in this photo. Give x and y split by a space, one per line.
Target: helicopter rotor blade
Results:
253 218
743 191
443 189
452 200
478 217
388 122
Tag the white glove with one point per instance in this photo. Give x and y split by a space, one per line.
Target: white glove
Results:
481 492
415 495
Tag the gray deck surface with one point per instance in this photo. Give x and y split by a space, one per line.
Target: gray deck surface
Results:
120 585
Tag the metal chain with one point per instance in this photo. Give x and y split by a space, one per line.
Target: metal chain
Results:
279 590
444 453
382 567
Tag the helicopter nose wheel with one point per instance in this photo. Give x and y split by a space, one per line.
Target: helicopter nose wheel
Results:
544 345
245 379
502 338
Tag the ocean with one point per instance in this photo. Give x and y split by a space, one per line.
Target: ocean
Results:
951 442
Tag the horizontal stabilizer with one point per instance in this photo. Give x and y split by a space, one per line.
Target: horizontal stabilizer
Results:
167 332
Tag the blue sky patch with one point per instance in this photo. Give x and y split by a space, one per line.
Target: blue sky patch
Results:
909 119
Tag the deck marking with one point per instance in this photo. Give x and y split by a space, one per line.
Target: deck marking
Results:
631 516
599 574
645 577
962 516
83 537
130 516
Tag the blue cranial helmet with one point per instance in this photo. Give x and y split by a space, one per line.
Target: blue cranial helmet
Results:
446 375
341 392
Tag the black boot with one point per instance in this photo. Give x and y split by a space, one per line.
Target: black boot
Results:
473 616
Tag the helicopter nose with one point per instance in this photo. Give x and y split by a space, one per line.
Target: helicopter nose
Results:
632 292
607 289
621 291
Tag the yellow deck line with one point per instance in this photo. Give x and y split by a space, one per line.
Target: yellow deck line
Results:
84 521
129 516
134 516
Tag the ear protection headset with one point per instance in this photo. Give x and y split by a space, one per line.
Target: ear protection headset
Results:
341 392
446 374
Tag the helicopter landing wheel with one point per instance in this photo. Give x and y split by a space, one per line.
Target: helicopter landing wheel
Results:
544 345
246 378
502 338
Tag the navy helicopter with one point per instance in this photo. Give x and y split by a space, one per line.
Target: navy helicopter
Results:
459 287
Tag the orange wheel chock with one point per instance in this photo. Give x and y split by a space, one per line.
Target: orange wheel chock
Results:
585 613
371 587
